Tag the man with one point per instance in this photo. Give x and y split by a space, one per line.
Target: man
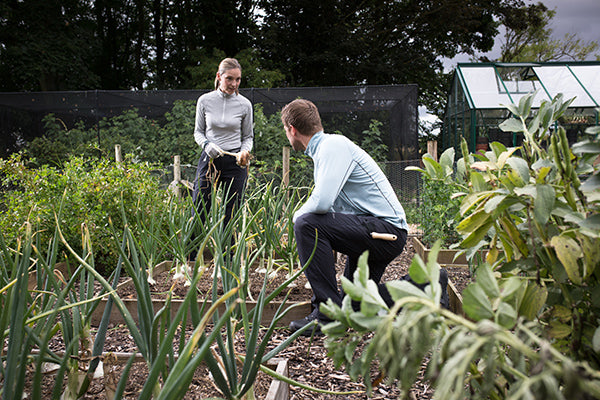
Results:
351 200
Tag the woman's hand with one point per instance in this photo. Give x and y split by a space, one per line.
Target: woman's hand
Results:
242 158
212 150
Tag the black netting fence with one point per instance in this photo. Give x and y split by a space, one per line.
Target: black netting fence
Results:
407 184
347 109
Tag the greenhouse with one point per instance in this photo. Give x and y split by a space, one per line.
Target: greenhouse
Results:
479 92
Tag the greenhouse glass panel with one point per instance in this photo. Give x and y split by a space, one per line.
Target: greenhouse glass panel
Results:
560 79
482 87
589 76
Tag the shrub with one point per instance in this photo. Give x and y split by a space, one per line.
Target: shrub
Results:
372 142
95 192
439 207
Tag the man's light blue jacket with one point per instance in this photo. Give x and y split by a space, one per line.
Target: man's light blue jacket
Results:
348 180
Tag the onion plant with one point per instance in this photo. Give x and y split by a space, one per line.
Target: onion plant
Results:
180 235
237 383
274 230
62 305
233 257
32 316
149 221
155 333
14 314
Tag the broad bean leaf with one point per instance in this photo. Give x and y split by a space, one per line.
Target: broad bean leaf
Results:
473 221
447 159
400 289
596 340
525 105
544 203
418 269
559 330
506 316
479 234
568 252
512 125
519 165
476 304
534 298
485 278
591 253
591 184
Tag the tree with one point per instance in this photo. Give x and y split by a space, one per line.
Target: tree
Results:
336 42
122 29
116 44
198 32
528 37
46 45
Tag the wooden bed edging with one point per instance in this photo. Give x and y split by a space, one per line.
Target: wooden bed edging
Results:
299 312
445 256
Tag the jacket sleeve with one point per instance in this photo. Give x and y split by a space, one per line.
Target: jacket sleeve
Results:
200 126
248 129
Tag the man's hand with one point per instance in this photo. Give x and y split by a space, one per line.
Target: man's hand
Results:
242 158
213 150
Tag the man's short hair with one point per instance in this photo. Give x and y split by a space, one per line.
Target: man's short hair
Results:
302 115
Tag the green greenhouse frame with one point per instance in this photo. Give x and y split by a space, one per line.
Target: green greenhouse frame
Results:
479 91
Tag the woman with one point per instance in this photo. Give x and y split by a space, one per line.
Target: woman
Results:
224 132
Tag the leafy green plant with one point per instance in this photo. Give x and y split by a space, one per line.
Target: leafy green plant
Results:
372 142
439 206
93 193
269 140
157 142
533 327
538 215
487 357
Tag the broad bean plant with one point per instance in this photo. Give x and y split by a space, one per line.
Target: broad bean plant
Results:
531 328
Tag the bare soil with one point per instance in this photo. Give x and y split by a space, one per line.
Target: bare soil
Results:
308 360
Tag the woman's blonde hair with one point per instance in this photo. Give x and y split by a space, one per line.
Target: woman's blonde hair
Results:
225 65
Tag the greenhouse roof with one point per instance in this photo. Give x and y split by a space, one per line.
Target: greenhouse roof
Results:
492 85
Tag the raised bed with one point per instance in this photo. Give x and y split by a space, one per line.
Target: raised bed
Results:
298 312
279 390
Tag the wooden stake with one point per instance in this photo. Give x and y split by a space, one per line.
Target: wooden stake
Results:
432 148
286 166
118 157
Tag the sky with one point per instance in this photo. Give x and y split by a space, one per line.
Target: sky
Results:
581 17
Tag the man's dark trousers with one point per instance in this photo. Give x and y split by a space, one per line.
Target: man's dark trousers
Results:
350 235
